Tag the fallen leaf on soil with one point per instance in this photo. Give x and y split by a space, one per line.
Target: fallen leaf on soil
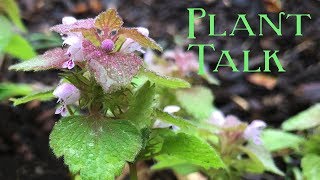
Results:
263 80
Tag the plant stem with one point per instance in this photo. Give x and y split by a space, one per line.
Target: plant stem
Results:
70 110
133 171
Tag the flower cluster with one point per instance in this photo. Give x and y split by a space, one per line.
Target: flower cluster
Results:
232 127
173 62
100 46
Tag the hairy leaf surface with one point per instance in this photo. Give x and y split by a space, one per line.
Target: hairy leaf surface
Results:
108 21
141 108
95 148
114 71
52 59
135 35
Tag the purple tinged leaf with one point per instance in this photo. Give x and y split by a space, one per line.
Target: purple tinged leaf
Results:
52 59
69 27
108 21
135 35
115 70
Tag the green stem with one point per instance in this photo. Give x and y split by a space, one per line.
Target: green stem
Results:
70 110
133 171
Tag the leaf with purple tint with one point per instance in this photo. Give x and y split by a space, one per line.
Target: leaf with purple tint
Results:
67 28
143 40
115 70
52 59
108 21
91 35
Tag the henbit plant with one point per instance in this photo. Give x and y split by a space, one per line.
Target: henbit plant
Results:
238 143
108 117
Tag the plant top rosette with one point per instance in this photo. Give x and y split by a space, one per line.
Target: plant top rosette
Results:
108 119
97 48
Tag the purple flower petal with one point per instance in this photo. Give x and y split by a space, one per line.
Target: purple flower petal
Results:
68 64
254 130
67 93
62 110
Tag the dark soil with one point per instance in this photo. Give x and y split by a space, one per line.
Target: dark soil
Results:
24 130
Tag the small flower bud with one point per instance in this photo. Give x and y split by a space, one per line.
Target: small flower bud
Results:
107 45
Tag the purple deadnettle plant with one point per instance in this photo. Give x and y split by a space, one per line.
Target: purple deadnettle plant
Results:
108 118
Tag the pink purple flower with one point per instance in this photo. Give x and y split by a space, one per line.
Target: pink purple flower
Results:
254 130
187 62
220 120
67 94
91 45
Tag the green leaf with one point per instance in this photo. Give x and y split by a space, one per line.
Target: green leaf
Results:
307 119
265 158
5 32
197 101
20 48
41 96
165 81
44 40
185 169
154 143
252 165
96 148
311 146
311 166
11 8
141 107
275 140
183 124
8 90
182 148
